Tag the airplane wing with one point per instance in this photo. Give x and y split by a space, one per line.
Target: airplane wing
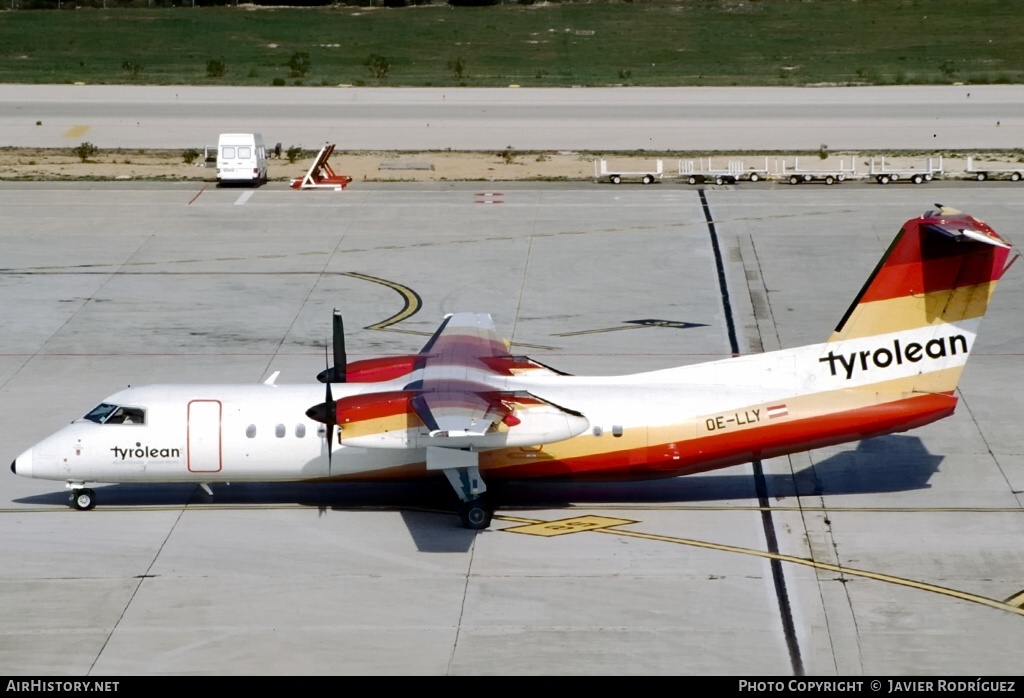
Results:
464 339
454 396
459 395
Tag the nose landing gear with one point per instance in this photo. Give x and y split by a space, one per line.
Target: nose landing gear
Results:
82 498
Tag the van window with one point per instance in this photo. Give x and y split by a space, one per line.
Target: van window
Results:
229 152
244 152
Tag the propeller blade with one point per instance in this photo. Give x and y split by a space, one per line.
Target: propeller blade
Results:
333 419
340 357
337 372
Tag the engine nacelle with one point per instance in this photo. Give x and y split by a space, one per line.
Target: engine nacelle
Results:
380 369
390 420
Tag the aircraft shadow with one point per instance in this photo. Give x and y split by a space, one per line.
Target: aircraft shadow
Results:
882 464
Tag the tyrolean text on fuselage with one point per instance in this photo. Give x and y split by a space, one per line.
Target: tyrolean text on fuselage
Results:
895 355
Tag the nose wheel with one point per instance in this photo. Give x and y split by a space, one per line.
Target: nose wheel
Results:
83 499
475 514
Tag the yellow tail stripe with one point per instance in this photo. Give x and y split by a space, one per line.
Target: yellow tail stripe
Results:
913 312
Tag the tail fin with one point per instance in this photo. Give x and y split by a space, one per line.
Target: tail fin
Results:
915 321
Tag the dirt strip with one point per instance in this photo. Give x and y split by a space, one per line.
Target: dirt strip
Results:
54 164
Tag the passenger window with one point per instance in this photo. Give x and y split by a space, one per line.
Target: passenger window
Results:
300 430
244 153
250 431
279 431
229 152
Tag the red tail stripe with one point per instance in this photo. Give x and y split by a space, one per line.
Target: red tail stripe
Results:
898 280
923 261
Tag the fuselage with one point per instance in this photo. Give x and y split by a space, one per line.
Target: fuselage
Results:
657 424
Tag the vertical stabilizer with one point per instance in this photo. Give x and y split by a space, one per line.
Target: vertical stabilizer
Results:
917 316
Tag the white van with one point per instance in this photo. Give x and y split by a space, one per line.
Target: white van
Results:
241 158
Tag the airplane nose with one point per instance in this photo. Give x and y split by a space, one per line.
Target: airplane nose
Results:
22 465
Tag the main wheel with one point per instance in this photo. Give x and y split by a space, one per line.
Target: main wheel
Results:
83 499
475 514
615 179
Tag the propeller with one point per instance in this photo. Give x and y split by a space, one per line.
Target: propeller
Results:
326 414
326 411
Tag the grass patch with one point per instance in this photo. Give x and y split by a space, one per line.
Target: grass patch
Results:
657 42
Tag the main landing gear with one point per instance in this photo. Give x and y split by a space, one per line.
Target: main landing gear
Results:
461 469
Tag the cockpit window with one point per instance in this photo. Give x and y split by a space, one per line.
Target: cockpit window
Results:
116 414
100 413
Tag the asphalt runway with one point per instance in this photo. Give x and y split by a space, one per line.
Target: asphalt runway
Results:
928 118
895 556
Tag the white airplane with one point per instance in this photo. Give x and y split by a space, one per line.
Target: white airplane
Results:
466 407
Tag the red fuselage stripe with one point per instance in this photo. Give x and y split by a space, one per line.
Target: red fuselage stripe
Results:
712 452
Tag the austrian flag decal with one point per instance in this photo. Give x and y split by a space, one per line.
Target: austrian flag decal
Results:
777 411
